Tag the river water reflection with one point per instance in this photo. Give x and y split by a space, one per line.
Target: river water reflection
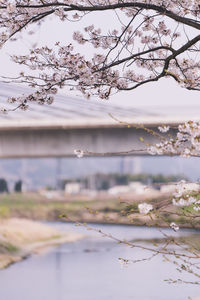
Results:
89 270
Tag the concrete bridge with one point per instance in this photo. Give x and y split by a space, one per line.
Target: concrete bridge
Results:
73 123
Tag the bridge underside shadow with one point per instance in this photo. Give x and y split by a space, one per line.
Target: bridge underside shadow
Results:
62 142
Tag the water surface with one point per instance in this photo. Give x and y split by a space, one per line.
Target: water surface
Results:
89 270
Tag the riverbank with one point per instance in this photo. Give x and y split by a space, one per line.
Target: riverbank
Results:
20 238
105 210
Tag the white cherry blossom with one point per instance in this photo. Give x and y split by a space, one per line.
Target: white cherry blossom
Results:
145 208
79 153
163 128
182 195
174 226
196 206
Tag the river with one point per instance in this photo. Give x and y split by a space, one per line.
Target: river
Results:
89 270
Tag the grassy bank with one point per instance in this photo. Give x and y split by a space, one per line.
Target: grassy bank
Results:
36 207
115 210
20 237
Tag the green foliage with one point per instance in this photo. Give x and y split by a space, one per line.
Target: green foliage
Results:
4 211
6 247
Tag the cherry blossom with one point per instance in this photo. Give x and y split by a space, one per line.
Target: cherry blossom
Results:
185 143
152 43
79 153
145 208
197 206
163 128
174 226
182 195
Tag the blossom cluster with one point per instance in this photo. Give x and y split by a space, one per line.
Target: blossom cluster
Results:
174 226
182 195
146 48
62 66
163 128
79 153
185 143
145 208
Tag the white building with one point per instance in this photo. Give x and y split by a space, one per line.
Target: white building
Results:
137 187
72 188
119 189
168 188
133 187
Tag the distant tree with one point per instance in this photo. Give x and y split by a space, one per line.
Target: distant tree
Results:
3 186
18 186
104 185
